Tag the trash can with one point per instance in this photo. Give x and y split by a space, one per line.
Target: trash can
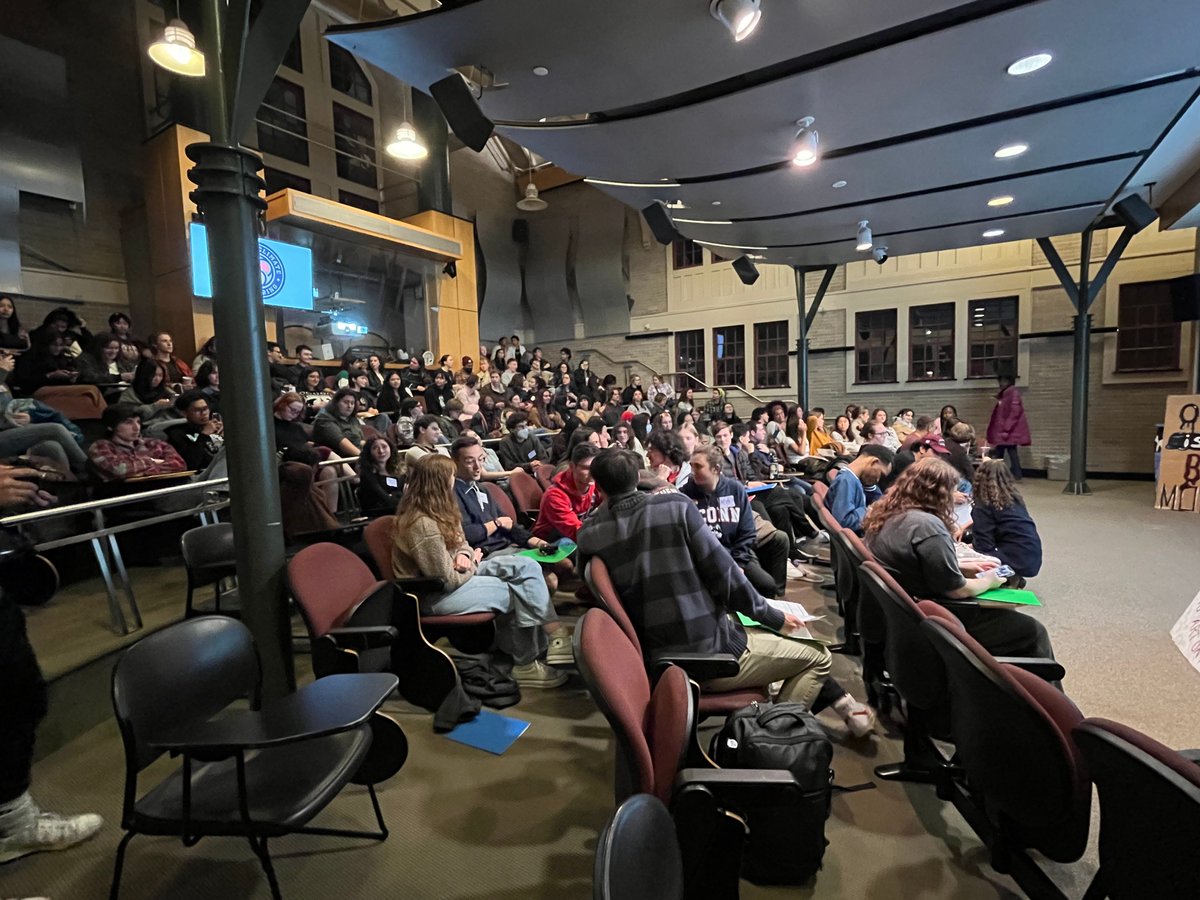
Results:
1058 467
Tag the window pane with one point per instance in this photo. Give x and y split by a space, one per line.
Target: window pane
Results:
875 347
729 355
277 180
686 254
992 337
689 357
931 342
1147 336
282 129
346 76
354 139
358 201
771 363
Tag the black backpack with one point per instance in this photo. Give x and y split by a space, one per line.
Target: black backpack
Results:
787 839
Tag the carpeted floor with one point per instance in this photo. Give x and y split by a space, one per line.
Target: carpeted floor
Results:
470 826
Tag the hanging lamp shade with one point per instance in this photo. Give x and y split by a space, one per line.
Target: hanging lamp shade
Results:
176 51
531 202
406 144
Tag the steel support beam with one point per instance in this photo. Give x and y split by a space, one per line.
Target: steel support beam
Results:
227 196
805 319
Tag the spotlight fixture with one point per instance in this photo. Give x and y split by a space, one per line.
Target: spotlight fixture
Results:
1008 151
451 269
993 232
531 202
176 50
865 241
741 17
1027 64
1003 200
804 149
406 144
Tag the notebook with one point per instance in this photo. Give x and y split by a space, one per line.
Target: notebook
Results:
561 550
1010 596
489 731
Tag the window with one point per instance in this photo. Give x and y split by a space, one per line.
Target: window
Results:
729 355
1147 336
282 129
931 342
358 201
992 338
875 347
294 59
346 76
277 180
686 254
354 139
771 354
689 357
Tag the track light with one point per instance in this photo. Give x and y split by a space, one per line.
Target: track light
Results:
865 241
741 17
176 50
804 149
406 144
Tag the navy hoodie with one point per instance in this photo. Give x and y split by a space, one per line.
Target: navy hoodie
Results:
727 511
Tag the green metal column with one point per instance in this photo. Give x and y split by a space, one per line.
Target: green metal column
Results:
227 195
1077 481
801 342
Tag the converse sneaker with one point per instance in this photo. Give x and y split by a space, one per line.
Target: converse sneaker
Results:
538 675
859 718
560 652
25 829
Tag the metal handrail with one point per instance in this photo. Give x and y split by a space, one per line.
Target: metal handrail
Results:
109 502
723 387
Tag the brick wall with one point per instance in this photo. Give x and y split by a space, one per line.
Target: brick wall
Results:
623 358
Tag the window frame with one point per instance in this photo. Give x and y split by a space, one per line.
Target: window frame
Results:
775 361
294 129
684 249
990 336
347 161
339 58
933 342
723 361
698 358
1162 322
862 345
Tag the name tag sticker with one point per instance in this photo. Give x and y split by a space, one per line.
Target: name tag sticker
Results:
391 482
483 500
532 454
726 501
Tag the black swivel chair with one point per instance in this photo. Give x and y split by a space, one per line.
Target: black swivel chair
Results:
637 855
252 773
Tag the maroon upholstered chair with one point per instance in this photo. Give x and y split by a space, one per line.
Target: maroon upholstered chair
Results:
469 632
527 493
820 489
1012 735
503 502
78 402
543 474
710 703
1149 814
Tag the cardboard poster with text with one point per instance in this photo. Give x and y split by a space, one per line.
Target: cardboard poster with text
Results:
1178 485
1186 632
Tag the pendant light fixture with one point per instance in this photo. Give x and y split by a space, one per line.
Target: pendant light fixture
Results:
176 50
531 202
805 149
406 145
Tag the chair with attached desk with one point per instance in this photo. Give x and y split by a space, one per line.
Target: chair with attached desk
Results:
637 854
256 773
208 556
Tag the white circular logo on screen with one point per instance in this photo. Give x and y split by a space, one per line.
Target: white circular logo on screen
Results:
270 268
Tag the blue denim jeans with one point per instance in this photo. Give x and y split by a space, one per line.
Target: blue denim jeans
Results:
49 439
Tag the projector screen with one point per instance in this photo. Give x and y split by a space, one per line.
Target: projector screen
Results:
286 270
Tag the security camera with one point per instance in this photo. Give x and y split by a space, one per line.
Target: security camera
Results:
880 254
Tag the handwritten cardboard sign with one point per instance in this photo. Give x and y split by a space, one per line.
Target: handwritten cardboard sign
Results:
1186 632
1178 485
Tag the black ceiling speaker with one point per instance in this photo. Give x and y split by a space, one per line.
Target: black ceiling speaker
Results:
520 231
746 270
462 112
1135 212
660 223
1185 298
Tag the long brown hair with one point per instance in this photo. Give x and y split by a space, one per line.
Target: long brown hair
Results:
927 485
995 486
429 493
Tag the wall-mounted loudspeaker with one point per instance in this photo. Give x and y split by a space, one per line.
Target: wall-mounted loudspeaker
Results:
462 113
746 270
1135 212
1185 298
660 223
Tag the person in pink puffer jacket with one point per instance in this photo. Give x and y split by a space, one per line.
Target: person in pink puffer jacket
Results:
1008 429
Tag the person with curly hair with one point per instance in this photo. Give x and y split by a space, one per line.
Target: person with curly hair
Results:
1002 525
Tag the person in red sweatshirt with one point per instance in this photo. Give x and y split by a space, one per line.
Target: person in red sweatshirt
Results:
568 498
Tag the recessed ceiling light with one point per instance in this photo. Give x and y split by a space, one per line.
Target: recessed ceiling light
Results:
541 71
1003 200
1027 64
716 203
702 221
993 232
838 185
632 184
1008 151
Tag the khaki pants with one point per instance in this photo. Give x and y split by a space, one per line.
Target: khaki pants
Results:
768 657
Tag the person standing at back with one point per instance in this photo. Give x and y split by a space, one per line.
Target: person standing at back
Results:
1008 429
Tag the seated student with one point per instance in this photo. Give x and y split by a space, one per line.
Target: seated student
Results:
337 427
304 357
99 365
162 346
908 531
427 439
415 377
467 393
818 438
921 430
488 421
903 424
279 371
208 353
44 364
959 437
379 488
888 435
847 499
198 439
439 394
929 446
680 586
668 458
293 444
725 506
311 387
150 392
1002 525
125 453
376 374
208 383
351 366
13 336
66 324
569 497
428 541
494 389
520 449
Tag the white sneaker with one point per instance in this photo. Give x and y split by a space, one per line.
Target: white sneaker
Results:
560 652
798 572
26 829
859 718
822 536
538 675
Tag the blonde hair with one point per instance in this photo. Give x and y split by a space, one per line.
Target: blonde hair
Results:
927 485
429 493
995 486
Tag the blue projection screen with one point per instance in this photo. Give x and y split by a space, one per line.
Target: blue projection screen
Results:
286 270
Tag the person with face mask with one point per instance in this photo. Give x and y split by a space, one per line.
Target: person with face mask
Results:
520 449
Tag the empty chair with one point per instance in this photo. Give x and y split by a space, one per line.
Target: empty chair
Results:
250 773
1149 814
498 496
527 493
208 555
637 855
